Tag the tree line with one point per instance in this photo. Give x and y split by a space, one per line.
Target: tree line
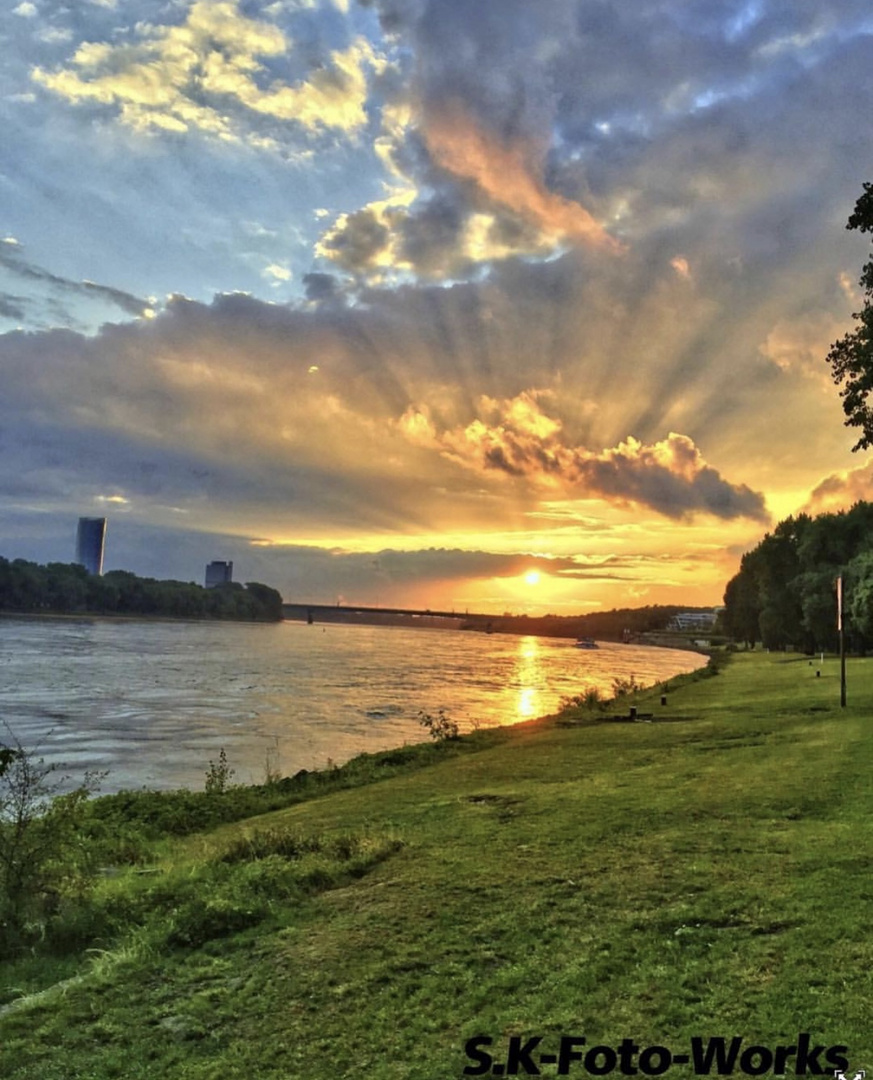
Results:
67 588
785 592
619 624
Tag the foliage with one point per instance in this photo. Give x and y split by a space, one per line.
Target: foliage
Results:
742 606
125 827
289 843
69 589
622 686
851 358
41 853
784 593
7 758
860 593
272 768
439 727
619 624
225 890
219 776
52 846
589 698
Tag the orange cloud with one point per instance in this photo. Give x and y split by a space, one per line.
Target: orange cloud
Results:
507 174
518 440
841 490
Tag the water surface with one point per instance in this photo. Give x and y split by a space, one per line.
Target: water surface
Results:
153 702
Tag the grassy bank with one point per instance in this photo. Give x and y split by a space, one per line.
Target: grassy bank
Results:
704 874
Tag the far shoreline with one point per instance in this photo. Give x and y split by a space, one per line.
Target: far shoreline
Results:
109 616
674 642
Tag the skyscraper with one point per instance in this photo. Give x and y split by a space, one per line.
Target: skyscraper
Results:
90 538
218 573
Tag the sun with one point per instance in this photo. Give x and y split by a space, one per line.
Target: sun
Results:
532 577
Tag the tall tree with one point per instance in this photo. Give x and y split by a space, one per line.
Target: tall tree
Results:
851 358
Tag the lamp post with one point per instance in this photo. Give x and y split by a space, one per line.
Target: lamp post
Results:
840 598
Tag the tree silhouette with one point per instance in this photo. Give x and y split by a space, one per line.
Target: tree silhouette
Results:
851 358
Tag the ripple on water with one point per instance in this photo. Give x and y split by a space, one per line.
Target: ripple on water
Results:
154 702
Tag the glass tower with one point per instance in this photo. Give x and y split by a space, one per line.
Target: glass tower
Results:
218 573
90 539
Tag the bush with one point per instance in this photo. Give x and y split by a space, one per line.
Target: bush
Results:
439 727
622 686
203 919
264 842
42 853
589 698
218 777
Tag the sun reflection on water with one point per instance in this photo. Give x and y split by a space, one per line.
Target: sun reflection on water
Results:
528 679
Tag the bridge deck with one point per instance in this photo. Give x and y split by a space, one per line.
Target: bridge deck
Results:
335 612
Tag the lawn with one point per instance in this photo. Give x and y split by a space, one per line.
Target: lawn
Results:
701 875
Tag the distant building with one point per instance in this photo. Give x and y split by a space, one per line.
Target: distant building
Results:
686 621
90 541
218 573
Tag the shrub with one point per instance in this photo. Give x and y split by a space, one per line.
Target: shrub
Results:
589 698
203 919
42 853
218 777
264 842
439 727
622 686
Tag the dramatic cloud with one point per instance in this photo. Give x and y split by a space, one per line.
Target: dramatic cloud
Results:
205 74
842 490
517 438
547 280
509 174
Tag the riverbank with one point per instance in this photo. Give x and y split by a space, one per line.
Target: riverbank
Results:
699 875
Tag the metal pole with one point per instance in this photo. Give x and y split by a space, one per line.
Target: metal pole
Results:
840 608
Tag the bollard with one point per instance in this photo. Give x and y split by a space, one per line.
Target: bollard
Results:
663 699
818 674
633 712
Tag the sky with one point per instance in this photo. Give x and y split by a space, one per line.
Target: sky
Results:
499 306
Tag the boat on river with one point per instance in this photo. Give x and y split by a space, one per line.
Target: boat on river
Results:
586 643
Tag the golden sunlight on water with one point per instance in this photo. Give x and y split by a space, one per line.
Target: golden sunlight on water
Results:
530 679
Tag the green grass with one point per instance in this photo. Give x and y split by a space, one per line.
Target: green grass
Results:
702 874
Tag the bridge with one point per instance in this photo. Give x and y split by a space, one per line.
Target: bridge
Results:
386 616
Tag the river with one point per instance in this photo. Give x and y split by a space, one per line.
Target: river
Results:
152 702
